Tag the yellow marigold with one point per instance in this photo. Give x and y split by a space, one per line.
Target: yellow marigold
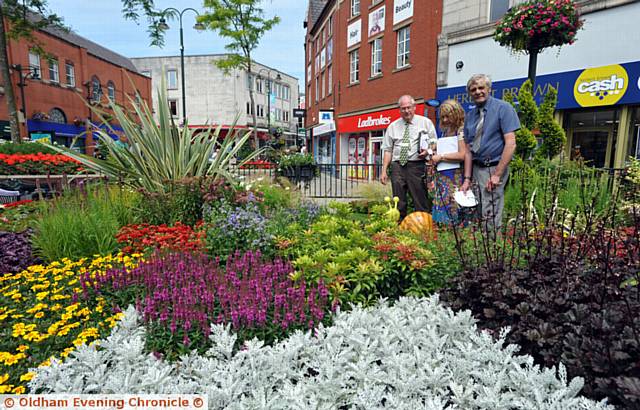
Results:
3 317
4 378
39 315
22 348
13 359
19 390
37 307
17 296
27 376
60 297
6 389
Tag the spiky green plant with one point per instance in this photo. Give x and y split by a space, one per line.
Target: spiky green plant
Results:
162 151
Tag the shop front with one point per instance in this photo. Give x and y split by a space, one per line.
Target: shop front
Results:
361 141
599 108
324 139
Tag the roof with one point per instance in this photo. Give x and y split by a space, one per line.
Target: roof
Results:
315 10
92 48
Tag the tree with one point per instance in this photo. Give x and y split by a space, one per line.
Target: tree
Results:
244 24
553 136
20 19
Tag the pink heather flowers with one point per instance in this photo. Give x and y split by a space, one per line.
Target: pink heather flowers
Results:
185 292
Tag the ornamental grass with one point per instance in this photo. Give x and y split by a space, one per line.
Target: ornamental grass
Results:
42 318
181 294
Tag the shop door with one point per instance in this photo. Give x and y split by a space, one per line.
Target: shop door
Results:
592 145
377 158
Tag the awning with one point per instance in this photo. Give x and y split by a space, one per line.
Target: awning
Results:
323 129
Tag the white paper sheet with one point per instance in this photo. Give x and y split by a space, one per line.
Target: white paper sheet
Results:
447 145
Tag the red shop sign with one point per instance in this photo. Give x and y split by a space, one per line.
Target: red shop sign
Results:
377 120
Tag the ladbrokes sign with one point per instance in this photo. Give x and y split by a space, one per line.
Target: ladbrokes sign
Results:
601 86
378 120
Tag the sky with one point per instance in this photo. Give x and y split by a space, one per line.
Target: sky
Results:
101 21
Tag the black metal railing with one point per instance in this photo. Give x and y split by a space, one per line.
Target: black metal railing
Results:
320 181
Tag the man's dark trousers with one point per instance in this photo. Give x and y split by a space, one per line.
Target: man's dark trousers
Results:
408 178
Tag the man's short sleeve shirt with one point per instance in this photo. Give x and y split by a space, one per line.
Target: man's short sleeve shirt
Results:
499 118
392 140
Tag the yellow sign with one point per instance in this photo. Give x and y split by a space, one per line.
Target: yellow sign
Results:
601 86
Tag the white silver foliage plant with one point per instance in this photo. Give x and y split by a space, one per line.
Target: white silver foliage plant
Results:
415 354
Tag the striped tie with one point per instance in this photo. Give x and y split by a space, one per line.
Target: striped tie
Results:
404 146
475 145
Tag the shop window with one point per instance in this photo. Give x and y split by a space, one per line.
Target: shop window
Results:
594 136
634 130
57 115
498 9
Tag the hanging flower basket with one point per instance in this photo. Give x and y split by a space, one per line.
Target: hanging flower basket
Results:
535 25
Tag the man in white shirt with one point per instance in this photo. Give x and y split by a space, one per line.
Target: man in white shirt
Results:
401 146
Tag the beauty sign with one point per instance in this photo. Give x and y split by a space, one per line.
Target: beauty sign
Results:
402 10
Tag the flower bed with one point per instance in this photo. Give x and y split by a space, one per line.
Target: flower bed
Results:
413 355
38 164
258 164
42 318
142 237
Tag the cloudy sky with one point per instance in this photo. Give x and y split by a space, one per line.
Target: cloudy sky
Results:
102 22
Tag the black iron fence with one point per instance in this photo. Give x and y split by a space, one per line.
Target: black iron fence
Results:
319 181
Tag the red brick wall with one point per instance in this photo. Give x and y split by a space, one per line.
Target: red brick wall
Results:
370 95
41 95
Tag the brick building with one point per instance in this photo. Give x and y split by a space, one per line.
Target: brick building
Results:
55 89
361 55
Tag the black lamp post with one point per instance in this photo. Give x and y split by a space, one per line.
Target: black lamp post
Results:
198 26
278 78
31 73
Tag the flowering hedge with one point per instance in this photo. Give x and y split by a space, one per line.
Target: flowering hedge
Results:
258 164
38 164
141 237
42 318
535 25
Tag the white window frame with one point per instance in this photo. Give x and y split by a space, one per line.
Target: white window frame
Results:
354 66
317 89
330 80
376 57
171 86
260 85
323 87
70 73
34 64
111 90
54 71
355 8
404 47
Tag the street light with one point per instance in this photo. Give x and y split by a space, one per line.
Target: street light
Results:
278 78
31 73
199 27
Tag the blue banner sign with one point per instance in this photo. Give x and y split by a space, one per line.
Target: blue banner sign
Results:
616 84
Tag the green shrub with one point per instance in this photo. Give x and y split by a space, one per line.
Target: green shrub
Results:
25 148
83 222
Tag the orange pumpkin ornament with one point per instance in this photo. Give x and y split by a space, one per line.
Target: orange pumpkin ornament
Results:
419 223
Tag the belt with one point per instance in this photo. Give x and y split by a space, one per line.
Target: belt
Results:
485 164
415 160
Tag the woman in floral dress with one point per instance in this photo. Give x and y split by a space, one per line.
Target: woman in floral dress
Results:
445 183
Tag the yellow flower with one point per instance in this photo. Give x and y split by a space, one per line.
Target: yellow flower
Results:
13 359
39 315
19 390
27 376
22 348
42 295
4 378
6 389
17 296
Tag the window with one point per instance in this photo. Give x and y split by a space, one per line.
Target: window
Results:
146 73
330 25
34 64
260 110
111 90
96 90
57 115
317 88
250 80
354 66
376 57
71 74
286 116
54 72
173 107
330 80
172 80
403 47
498 9
323 88
249 108
287 93
259 85
355 7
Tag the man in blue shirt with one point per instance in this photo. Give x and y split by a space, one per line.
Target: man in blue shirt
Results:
489 132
